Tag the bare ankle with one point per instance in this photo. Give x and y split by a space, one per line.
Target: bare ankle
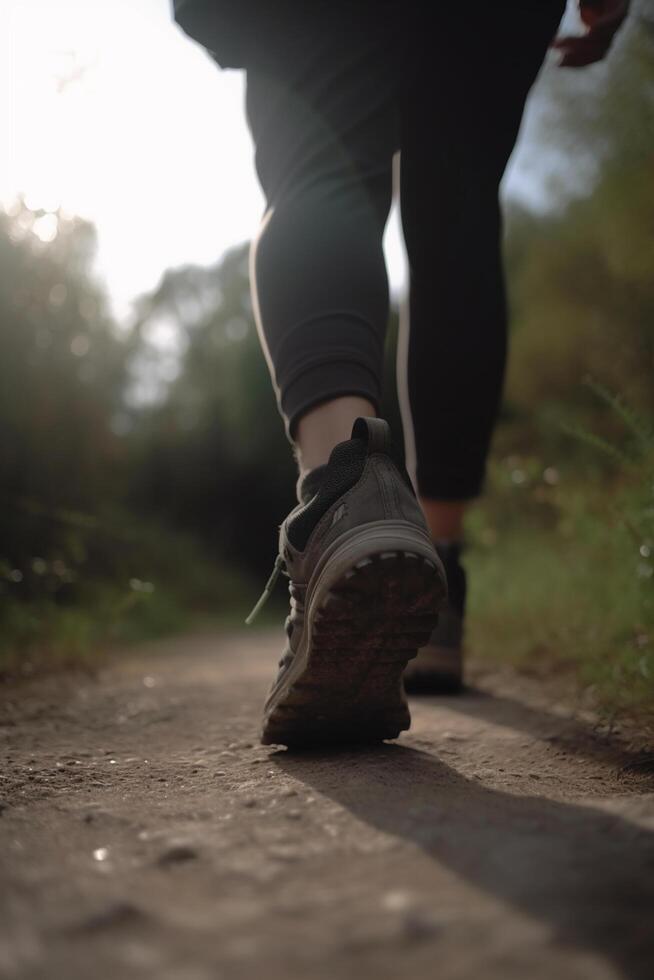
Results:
445 518
324 426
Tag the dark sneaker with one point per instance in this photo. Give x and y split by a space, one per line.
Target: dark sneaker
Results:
438 668
366 587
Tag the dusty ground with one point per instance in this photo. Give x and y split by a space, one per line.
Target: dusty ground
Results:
144 833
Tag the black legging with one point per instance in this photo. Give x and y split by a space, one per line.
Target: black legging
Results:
350 85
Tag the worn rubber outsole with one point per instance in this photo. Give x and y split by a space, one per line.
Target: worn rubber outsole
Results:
362 627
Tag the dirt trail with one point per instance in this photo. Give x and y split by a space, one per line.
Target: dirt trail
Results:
144 833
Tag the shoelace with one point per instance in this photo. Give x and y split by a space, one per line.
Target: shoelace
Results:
278 568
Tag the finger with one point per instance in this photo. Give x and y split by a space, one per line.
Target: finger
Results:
584 56
594 41
581 43
580 57
579 51
602 33
604 12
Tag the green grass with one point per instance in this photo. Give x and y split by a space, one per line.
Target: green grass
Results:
138 581
561 570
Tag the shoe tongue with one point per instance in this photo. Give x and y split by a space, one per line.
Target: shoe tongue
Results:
309 484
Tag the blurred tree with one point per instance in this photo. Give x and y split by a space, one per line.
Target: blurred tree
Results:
580 276
212 454
583 300
62 373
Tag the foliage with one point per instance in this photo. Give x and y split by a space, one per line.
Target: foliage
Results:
563 568
62 375
211 455
77 566
582 303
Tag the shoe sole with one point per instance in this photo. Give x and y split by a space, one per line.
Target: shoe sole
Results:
371 604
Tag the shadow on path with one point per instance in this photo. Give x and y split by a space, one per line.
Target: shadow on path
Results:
571 734
587 874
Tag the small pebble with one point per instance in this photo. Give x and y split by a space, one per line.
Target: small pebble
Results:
397 901
177 854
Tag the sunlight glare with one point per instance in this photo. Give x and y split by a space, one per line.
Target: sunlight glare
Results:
115 115
45 228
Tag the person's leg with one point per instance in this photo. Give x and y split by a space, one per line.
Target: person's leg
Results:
325 124
460 120
366 583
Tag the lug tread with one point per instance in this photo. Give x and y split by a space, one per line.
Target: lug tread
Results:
369 624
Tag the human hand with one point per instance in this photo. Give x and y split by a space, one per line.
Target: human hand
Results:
602 18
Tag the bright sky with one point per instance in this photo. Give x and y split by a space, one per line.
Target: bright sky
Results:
116 116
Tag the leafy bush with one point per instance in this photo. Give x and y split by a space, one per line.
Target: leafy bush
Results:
563 567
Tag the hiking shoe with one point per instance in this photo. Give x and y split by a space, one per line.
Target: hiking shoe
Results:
366 586
438 668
